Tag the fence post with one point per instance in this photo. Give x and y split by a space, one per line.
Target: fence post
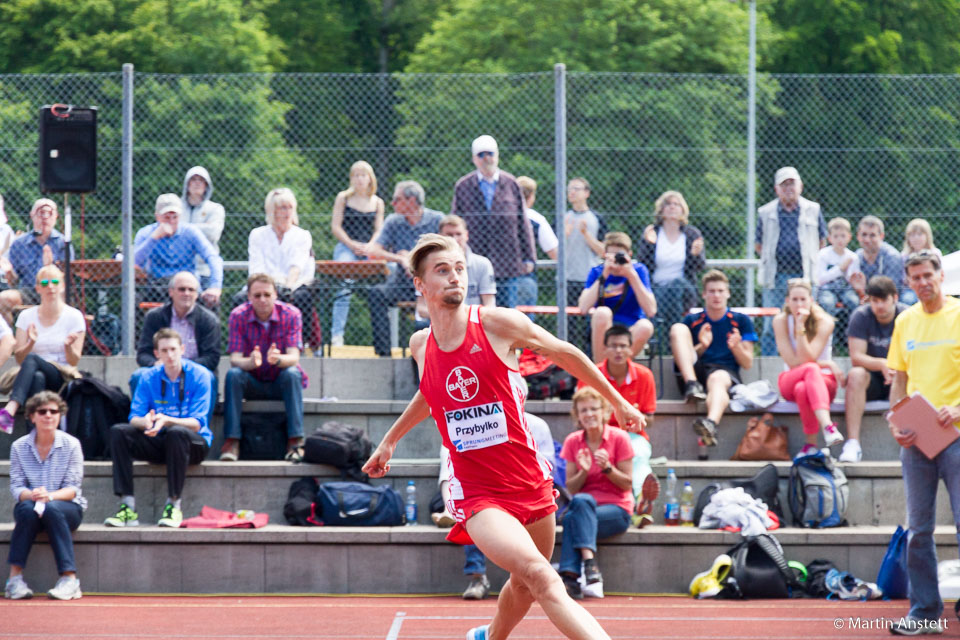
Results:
751 150
127 325
560 188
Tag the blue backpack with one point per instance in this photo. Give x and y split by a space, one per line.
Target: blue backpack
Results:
818 493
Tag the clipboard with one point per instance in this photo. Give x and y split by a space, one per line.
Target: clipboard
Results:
915 413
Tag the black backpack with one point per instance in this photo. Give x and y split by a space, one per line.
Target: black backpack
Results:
93 407
759 570
765 486
340 445
299 509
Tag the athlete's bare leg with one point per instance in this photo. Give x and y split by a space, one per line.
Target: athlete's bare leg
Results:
523 551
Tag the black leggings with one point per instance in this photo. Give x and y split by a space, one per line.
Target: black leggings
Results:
36 375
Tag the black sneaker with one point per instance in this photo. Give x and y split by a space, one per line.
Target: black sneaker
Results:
572 584
591 572
707 430
693 390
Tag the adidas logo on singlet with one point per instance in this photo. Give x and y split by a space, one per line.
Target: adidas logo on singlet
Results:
475 348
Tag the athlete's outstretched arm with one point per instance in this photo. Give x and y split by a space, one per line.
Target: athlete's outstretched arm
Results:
517 331
416 412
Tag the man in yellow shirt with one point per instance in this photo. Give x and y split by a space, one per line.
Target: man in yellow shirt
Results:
925 356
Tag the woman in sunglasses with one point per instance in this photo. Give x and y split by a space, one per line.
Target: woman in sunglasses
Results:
49 342
46 470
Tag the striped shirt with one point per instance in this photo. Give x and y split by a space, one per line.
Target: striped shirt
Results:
63 467
284 328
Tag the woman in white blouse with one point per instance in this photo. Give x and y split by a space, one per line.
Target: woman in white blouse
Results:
673 251
284 251
49 342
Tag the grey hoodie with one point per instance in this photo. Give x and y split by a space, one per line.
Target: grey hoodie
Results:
207 216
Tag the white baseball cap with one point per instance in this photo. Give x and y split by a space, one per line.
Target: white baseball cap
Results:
484 143
168 202
786 173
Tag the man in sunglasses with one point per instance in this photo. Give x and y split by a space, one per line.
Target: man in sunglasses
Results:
166 247
42 246
198 327
492 204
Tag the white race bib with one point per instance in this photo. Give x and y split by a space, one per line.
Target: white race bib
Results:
476 427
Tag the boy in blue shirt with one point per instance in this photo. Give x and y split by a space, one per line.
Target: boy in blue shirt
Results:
168 425
619 289
709 348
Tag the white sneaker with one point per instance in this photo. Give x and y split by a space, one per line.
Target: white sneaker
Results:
851 451
67 588
336 341
832 435
17 589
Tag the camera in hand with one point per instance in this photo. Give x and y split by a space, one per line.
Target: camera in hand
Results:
620 258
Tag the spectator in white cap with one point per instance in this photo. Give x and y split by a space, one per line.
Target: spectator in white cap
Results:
166 247
492 204
790 233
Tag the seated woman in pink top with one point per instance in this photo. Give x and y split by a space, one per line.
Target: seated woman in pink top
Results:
804 334
600 474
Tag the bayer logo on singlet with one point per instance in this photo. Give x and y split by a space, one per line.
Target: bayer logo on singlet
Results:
462 384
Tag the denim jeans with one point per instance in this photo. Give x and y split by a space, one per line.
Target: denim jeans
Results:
508 291
341 301
774 297
527 289
921 479
670 296
583 524
137 375
59 519
474 562
241 384
35 375
828 298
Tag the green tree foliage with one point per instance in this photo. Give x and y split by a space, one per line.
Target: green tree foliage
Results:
596 35
862 36
168 36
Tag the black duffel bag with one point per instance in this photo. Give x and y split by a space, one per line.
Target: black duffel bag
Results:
340 445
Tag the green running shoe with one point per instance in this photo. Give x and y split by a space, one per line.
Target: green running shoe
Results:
125 517
172 517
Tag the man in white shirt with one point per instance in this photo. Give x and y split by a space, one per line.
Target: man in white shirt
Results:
542 232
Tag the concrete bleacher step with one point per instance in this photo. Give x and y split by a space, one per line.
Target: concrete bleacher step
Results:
409 560
876 488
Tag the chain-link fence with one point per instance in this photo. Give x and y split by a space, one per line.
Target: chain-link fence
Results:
876 145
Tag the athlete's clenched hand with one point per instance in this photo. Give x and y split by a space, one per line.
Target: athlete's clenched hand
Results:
629 417
376 466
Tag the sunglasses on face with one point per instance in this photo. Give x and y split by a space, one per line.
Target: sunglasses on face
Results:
47 412
47 283
485 154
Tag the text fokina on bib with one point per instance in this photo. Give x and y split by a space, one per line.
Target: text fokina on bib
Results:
477 427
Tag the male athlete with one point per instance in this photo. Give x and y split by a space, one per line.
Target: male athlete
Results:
501 490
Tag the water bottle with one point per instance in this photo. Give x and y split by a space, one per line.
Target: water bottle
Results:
671 506
410 504
686 505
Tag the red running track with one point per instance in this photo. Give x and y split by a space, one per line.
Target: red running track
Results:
423 618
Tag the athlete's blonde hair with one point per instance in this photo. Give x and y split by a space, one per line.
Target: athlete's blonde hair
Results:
427 244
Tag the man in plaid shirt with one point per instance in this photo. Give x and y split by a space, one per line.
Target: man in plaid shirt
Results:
265 343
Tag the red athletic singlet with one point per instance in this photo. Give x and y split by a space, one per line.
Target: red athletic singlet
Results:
477 403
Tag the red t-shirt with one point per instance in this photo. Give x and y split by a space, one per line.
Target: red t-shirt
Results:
638 388
615 442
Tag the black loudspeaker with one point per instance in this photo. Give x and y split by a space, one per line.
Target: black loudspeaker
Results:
68 149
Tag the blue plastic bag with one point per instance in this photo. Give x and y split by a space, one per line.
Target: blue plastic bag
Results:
892 578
